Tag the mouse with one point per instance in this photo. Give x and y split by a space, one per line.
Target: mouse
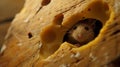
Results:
82 32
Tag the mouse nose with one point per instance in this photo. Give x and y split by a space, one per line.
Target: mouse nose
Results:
79 37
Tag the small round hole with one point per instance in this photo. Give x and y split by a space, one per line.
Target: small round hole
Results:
89 9
45 2
58 19
30 35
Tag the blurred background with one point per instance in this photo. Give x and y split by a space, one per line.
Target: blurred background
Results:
8 10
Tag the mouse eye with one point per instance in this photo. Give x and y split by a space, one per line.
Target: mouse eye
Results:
86 28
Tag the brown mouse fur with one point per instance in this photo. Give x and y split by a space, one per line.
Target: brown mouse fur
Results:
82 32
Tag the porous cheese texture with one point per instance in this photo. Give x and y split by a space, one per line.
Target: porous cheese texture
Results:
35 38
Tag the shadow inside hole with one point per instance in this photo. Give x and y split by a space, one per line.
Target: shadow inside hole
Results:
97 27
59 19
45 2
30 35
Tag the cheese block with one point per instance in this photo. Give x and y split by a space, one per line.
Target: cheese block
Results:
38 35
